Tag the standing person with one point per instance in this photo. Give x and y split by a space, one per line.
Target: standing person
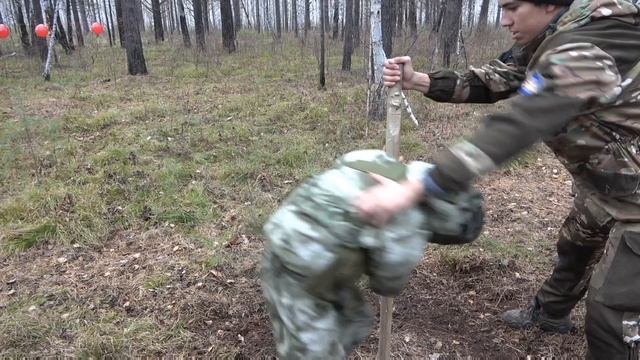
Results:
575 68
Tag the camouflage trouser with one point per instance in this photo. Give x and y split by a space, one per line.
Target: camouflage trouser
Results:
308 327
581 241
613 304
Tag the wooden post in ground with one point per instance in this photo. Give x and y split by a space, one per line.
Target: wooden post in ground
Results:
392 147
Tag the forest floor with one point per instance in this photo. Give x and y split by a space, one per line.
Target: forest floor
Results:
131 207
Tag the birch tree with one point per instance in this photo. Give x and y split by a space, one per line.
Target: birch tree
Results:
52 41
375 99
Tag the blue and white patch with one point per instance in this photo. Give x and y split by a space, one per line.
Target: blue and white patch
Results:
532 85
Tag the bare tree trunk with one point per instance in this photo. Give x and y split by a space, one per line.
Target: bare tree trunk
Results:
69 21
37 18
294 14
375 101
139 15
110 16
336 19
411 21
183 25
323 21
278 22
158 32
53 14
285 17
399 17
76 20
108 22
356 23
348 35
237 16
484 14
205 14
59 32
199 26
325 8
471 14
258 29
388 15
307 17
83 16
499 15
136 64
24 34
228 33
451 30
120 20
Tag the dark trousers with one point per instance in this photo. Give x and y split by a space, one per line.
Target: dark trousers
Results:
590 243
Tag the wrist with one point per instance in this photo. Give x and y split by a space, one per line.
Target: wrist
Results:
421 82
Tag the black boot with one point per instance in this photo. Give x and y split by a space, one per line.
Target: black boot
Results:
535 316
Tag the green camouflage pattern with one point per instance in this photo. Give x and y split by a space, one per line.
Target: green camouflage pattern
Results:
583 12
318 250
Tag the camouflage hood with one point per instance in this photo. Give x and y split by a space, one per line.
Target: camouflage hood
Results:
583 12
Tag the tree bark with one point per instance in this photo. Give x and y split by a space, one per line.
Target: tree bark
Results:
376 87
356 23
258 29
186 40
60 33
348 35
199 26
205 14
399 17
499 15
36 19
285 15
325 9
52 14
307 17
450 30
136 64
120 20
22 26
412 21
484 14
83 16
323 21
388 25
69 21
228 33
278 22
158 32
336 19
110 16
139 15
108 22
237 16
294 15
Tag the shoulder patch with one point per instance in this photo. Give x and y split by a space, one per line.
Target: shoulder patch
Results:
532 85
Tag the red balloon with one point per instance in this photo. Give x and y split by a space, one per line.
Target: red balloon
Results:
4 31
97 28
42 30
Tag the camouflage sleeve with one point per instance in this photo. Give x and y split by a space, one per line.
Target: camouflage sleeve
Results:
487 84
566 81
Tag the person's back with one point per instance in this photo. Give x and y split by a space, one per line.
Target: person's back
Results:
318 249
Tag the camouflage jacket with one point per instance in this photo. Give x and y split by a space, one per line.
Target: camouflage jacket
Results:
317 234
578 94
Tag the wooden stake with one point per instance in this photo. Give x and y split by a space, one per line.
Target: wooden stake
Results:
392 147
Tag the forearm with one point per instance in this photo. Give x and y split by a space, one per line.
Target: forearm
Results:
502 137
